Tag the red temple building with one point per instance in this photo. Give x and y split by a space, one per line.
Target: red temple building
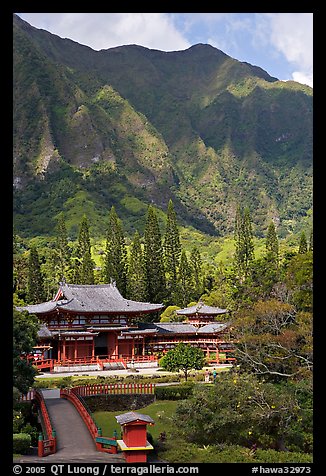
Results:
95 325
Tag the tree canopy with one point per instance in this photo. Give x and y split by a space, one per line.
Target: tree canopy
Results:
183 357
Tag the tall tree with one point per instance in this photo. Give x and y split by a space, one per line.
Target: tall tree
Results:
115 265
153 253
62 254
172 249
136 283
35 281
84 265
196 267
303 245
272 246
185 282
311 241
244 247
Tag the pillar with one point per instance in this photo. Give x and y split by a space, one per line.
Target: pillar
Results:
40 446
143 350
217 355
75 349
93 348
64 349
116 350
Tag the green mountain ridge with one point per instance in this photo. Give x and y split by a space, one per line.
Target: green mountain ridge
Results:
130 126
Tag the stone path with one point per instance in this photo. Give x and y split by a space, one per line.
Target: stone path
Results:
74 442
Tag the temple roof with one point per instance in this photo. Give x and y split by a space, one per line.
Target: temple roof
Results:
201 309
98 298
176 328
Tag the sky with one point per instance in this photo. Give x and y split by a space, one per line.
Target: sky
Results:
280 43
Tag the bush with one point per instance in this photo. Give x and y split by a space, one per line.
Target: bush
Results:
33 431
21 443
175 392
184 452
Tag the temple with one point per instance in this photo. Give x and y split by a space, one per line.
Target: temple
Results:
95 325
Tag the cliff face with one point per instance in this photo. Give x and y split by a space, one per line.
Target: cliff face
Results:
130 126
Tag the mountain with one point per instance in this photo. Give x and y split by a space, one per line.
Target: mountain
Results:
130 126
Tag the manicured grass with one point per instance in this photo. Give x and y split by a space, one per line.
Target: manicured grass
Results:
161 411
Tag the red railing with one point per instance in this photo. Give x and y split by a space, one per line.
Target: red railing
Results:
102 443
48 445
42 364
27 397
114 389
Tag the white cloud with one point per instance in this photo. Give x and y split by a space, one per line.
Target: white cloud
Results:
303 78
106 30
292 35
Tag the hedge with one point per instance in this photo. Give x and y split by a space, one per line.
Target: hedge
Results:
174 392
21 443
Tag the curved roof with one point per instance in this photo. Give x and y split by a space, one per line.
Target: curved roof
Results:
133 416
171 328
96 298
201 309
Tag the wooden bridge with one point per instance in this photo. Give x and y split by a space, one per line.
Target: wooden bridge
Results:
75 435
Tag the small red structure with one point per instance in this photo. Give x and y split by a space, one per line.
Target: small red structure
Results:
134 436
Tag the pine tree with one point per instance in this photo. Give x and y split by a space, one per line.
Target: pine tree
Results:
311 241
196 266
136 283
35 282
244 247
303 245
272 246
84 265
172 249
115 265
62 253
185 281
153 254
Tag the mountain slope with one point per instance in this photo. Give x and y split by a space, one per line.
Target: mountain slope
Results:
129 126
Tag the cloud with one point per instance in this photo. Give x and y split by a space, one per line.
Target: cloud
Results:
106 30
303 78
292 35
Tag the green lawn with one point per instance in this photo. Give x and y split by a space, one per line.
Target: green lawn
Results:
161 411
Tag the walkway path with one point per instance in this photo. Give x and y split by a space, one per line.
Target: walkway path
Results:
74 442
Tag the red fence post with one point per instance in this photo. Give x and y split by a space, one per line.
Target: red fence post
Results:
40 446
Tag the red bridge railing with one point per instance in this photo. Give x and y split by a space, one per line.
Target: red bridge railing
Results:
104 444
48 445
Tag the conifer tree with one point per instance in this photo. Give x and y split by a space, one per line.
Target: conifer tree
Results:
272 246
62 253
115 265
172 249
136 282
84 265
244 247
185 281
35 282
311 241
196 266
303 245
153 254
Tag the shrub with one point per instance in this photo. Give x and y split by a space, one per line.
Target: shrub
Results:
175 392
21 443
33 431
66 382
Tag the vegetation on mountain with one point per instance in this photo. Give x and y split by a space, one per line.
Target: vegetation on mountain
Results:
131 126
180 176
